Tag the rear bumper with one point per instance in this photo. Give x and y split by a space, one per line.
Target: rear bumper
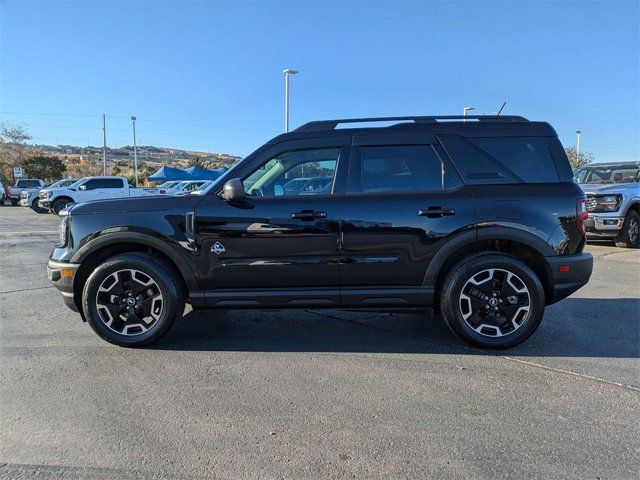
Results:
61 274
568 274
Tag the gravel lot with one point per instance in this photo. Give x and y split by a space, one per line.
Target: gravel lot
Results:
301 394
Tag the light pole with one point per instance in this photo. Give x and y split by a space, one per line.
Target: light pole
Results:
104 144
578 133
287 72
135 150
464 112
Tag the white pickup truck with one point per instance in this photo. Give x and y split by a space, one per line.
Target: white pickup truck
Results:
91 188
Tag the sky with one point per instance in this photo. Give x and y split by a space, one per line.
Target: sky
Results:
208 75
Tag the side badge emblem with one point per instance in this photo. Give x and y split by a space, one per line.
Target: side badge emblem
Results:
218 248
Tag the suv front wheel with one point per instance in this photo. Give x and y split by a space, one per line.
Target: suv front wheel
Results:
492 300
630 234
133 299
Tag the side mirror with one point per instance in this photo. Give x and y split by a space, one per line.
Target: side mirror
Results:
233 190
82 187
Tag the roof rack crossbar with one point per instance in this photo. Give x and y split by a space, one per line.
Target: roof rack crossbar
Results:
332 124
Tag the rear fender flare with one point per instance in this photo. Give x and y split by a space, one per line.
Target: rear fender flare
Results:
468 238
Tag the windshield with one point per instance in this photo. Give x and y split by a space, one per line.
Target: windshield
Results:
27 183
608 174
65 182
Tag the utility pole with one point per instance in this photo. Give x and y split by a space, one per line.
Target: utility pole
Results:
135 151
464 112
104 144
287 72
578 133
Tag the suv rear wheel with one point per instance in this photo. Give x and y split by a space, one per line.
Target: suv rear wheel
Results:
133 299
492 300
630 234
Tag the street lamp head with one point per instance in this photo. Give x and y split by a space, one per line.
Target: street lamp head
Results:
468 108
133 117
578 132
288 71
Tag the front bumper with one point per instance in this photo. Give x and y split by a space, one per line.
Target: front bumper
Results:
568 274
599 225
61 274
25 201
44 202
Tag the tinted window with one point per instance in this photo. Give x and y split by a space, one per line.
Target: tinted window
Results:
112 183
527 157
28 183
93 184
400 168
300 172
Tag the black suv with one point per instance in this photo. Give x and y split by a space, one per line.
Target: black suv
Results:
478 217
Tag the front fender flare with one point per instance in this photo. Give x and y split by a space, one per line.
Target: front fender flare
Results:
164 246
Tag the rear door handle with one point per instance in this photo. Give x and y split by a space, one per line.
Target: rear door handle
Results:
308 215
436 212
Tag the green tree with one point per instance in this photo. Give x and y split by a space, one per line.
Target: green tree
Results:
44 166
115 171
197 162
575 160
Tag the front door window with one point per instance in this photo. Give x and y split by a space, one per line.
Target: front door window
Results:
298 172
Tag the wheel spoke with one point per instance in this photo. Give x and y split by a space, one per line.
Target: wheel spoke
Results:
495 302
129 302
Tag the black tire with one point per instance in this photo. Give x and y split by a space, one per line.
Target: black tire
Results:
630 234
164 277
453 301
35 206
59 204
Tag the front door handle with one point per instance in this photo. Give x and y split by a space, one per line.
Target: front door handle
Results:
308 215
436 212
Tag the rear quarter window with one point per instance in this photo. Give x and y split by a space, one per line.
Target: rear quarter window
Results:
527 157
489 160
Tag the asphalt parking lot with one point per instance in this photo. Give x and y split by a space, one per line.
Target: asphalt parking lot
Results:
301 394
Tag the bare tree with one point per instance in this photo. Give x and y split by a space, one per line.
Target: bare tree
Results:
13 148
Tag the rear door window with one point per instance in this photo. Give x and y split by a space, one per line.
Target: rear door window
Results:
400 168
112 183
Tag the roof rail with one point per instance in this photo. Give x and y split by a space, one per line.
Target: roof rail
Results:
332 124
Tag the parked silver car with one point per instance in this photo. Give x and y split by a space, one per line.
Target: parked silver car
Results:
613 201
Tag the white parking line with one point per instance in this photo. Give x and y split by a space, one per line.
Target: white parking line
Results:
38 232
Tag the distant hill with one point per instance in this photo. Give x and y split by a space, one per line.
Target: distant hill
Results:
147 154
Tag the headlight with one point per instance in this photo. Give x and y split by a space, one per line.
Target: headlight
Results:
63 231
24 194
609 203
45 195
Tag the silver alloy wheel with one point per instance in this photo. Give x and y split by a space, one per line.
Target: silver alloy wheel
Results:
495 302
129 302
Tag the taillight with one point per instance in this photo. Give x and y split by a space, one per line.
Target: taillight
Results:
581 215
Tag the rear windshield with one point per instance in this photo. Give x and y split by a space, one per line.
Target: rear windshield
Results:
28 183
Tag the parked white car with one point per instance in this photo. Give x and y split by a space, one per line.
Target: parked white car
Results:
92 188
30 197
188 186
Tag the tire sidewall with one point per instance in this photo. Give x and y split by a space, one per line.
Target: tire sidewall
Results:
459 276
149 267
631 215
56 208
